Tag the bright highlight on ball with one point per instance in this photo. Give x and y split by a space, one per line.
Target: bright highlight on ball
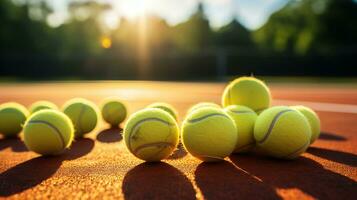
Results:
48 132
84 115
313 119
209 134
244 118
166 107
151 134
12 118
247 91
41 105
113 111
282 132
201 105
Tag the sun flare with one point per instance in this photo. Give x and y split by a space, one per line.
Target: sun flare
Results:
136 9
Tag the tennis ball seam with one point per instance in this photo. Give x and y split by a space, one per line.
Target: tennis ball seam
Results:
206 116
161 144
78 122
241 112
53 127
272 124
131 133
297 150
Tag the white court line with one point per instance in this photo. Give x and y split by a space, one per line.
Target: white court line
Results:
320 106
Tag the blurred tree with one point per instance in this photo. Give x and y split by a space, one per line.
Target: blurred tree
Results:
234 35
194 34
310 26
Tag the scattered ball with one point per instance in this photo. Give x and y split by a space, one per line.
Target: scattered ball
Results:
113 112
83 114
201 105
41 105
151 134
244 118
12 117
247 91
165 107
209 134
282 132
313 119
48 132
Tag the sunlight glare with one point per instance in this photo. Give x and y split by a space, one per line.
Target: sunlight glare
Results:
136 8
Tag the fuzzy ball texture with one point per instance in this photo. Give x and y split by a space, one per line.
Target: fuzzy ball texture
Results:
247 91
41 105
12 118
201 105
209 134
83 114
151 134
48 132
282 132
244 118
165 107
114 111
313 119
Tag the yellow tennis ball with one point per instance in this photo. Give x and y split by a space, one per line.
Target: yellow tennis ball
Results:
201 105
151 134
48 132
313 119
113 111
282 132
209 134
41 105
12 117
166 107
247 91
83 113
244 118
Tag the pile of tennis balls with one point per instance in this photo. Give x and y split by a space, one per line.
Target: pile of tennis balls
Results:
245 122
49 131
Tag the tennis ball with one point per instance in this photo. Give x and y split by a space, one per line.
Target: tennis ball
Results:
244 118
201 105
12 117
41 105
151 134
83 113
247 91
165 107
313 120
48 132
209 134
113 111
282 132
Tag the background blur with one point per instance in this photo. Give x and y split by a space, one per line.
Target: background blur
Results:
176 39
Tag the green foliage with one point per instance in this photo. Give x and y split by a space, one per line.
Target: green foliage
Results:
194 34
306 26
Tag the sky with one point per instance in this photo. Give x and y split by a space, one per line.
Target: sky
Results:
251 13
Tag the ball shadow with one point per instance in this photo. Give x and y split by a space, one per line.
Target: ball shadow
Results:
303 173
157 181
28 174
79 148
223 180
333 155
15 143
34 171
113 134
179 152
330 136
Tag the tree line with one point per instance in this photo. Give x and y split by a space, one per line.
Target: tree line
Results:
306 37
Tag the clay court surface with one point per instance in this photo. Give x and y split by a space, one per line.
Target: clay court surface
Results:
99 166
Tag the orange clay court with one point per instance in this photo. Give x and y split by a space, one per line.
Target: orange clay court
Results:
100 167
